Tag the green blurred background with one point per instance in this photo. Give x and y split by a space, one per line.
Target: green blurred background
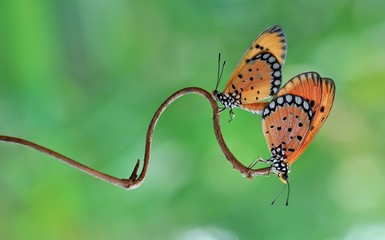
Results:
85 77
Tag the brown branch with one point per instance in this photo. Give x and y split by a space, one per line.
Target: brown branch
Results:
134 180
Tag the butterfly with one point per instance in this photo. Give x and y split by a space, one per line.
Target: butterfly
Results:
258 75
293 117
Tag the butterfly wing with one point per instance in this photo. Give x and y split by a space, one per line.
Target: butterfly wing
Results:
258 74
286 122
272 40
320 93
316 92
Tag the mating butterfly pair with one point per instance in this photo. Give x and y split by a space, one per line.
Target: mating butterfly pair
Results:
297 111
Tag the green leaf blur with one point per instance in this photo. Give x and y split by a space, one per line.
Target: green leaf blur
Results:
85 77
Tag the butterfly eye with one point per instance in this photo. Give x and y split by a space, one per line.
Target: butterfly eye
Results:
283 177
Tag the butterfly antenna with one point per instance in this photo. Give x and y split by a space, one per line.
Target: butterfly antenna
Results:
288 193
220 72
272 203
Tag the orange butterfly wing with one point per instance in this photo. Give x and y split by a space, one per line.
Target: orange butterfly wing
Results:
286 122
318 93
272 40
258 74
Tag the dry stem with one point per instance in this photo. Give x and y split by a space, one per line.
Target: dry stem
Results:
136 180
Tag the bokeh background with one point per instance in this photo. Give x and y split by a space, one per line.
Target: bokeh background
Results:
85 77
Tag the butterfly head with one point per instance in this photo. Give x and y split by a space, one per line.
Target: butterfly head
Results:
283 176
215 93
220 97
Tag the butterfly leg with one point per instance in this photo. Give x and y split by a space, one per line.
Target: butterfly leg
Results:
222 109
258 159
232 115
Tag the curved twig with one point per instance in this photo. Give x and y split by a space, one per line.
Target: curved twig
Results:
134 180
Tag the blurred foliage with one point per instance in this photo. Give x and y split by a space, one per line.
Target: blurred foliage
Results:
85 77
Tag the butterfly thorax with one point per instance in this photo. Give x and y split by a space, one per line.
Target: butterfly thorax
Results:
278 163
228 100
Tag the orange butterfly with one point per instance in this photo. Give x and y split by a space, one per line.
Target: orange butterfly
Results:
258 74
293 117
